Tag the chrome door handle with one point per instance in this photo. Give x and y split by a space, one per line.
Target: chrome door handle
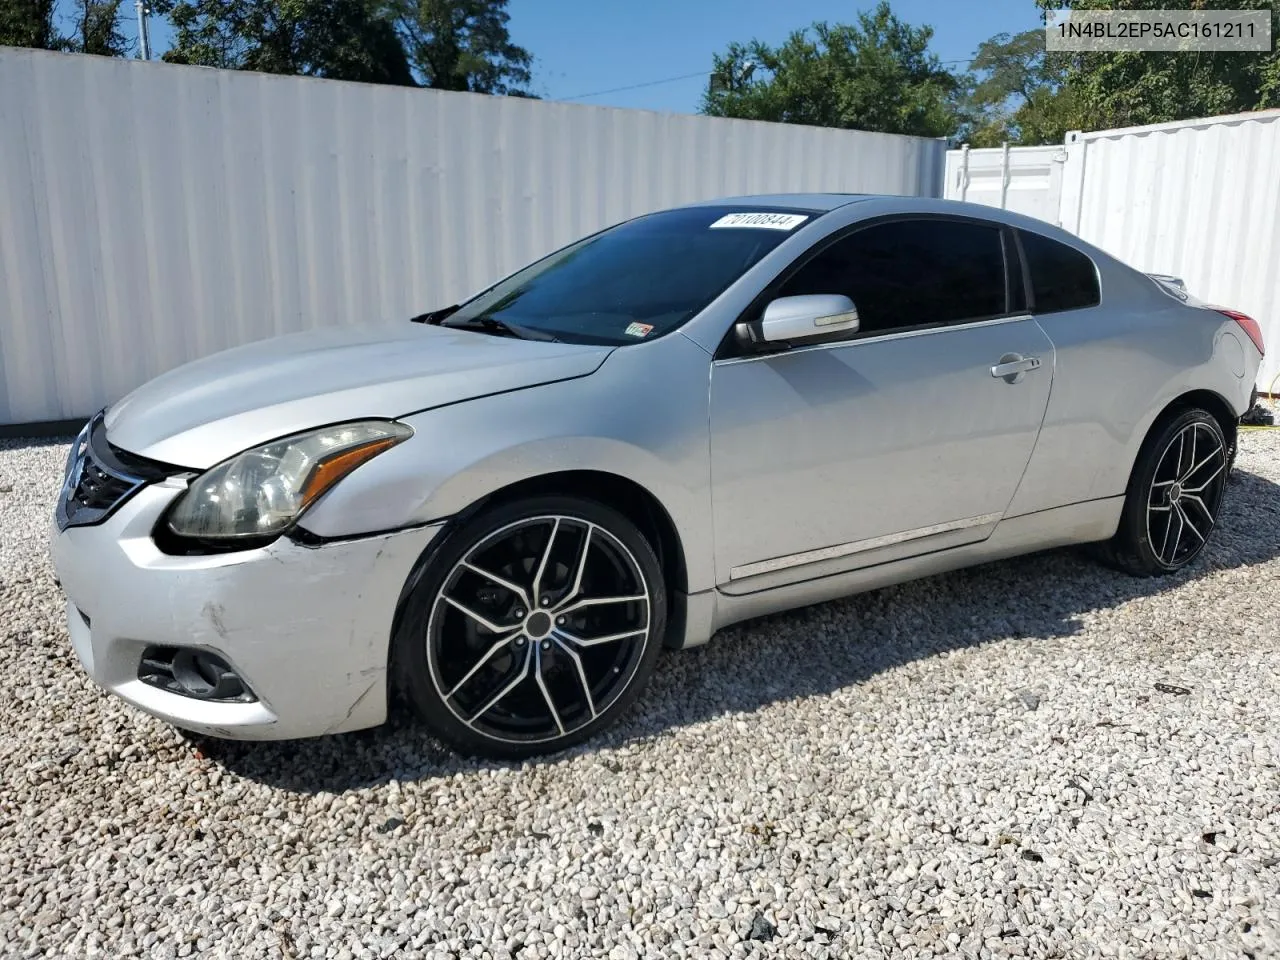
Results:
1012 366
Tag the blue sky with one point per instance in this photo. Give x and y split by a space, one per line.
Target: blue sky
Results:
590 46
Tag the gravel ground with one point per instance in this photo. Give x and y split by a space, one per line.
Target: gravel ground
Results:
1036 758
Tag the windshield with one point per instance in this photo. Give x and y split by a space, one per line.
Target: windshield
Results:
633 282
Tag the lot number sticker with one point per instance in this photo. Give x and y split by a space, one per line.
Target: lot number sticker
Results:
765 221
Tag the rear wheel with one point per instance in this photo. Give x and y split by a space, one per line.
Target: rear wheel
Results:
1174 496
535 625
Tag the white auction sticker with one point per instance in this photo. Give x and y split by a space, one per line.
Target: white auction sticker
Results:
767 221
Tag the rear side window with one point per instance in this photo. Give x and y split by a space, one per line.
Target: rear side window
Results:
910 273
1061 278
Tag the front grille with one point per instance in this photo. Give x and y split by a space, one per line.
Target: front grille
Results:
97 489
100 478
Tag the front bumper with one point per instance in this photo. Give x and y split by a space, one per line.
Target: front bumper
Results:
308 628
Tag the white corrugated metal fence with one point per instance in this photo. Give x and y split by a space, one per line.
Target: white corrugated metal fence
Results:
1199 199
151 214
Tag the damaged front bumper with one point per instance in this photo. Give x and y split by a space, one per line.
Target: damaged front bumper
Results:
306 629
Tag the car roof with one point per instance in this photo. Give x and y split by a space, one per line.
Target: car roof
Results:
881 204
808 202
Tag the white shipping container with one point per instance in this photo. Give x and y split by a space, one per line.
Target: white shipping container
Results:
1198 199
151 214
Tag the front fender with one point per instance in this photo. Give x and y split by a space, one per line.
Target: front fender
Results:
641 416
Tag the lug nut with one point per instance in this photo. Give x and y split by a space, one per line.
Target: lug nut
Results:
520 640
546 645
519 614
546 600
560 621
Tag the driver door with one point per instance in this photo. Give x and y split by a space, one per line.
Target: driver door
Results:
896 441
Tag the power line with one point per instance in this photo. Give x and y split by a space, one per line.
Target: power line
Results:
637 86
685 76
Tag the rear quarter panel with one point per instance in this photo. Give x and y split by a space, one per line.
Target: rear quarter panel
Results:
1117 367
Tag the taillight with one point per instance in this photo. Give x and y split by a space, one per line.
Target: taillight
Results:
1247 324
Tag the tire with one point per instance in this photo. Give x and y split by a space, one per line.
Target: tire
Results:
1174 496
495 678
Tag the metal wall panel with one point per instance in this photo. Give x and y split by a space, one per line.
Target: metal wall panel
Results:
151 214
1199 200
1023 179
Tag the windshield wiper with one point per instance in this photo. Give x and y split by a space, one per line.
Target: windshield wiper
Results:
503 328
434 316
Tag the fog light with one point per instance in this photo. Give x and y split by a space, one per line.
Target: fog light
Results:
193 673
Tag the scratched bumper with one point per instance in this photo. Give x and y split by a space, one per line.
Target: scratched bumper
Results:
307 628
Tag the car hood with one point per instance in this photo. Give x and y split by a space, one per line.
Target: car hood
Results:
206 411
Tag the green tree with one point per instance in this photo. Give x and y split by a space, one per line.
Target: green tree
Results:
338 39
463 45
445 44
95 26
97 29
1017 93
876 74
1132 88
28 23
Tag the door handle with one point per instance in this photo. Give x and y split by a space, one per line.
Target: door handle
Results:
1012 366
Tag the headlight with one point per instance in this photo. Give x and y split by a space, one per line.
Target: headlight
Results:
261 492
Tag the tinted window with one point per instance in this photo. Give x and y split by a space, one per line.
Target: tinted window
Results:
911 272
1061 278
638 280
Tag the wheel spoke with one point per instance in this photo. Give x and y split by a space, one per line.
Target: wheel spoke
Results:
515 682
488 655
1204 508
542 564
1158 509
1192 472
1177 538
610 638
1186 520
515 588
1200 489
1164 543
599 601
576 587
582 674
546 694
467 611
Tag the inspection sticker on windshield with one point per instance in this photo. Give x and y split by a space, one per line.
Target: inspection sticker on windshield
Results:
639 329
766 221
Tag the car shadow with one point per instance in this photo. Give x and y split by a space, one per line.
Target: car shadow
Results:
774 658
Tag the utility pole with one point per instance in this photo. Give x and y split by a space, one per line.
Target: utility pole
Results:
144 41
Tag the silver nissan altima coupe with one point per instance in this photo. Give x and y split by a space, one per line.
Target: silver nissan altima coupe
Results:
501 512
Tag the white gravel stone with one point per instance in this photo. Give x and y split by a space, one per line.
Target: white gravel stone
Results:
977 765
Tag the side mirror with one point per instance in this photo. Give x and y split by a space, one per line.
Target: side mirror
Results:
806 317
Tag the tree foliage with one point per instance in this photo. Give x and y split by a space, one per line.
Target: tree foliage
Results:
339 39
445 44
1132 88
876 74
28 23
97 29
463 45
34 23
1017 93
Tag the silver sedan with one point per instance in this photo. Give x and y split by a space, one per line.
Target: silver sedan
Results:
499 514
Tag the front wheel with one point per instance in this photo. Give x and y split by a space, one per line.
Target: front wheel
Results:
535 624
1174 496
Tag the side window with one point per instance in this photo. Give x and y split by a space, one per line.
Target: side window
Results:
909 273
1061 278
